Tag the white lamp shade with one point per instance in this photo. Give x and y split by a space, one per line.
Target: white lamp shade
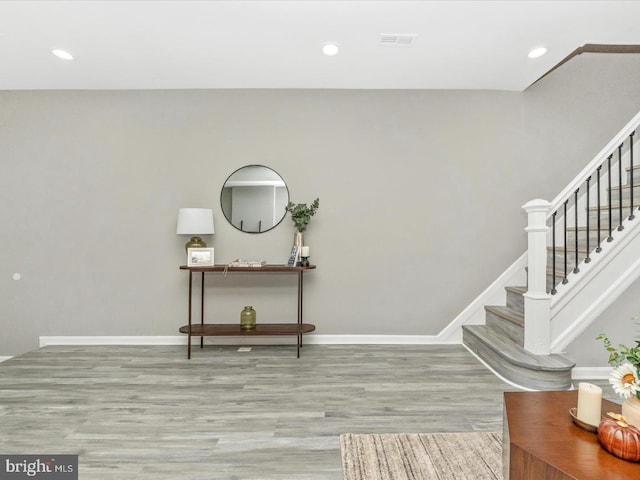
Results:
195 221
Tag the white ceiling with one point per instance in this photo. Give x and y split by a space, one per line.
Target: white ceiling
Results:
277 44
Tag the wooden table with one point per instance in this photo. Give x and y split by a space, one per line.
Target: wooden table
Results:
541 442
233 329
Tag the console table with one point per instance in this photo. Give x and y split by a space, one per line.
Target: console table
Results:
229 329
540 441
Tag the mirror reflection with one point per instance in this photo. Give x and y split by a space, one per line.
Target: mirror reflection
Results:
253 199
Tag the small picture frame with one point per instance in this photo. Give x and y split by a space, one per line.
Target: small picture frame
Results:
200 257
294 256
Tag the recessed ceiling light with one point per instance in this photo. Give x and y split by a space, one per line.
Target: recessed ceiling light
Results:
330 49
537 52
62 54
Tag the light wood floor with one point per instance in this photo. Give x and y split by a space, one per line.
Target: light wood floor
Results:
149 413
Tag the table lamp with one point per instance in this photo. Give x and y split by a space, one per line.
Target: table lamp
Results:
195 222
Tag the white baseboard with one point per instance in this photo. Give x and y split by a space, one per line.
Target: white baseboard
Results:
595 373
376 340
2 359
253 340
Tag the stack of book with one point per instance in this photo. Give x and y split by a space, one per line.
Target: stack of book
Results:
248 263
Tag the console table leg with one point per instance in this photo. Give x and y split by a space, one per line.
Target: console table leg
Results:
189 316
202 308
300 290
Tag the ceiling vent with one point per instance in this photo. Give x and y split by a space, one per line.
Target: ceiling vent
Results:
397 39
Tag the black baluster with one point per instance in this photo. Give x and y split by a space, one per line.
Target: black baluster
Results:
587 259
575 221
631 215
620 226
564 279
610 237
599 248
553 257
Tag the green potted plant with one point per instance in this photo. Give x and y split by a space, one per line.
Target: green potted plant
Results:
625 378
301 214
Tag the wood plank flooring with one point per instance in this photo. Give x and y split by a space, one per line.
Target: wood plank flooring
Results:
141 412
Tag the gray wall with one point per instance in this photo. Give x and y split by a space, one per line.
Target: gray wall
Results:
420 195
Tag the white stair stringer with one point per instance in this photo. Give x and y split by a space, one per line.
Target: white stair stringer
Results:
598 284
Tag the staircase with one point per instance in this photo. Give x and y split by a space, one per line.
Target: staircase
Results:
500 341
500 344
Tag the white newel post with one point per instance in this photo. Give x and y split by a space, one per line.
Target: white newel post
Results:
537 302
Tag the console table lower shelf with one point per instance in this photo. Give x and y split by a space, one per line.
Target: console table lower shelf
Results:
234 330
201 330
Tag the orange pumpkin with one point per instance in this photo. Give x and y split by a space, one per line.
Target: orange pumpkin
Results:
620 439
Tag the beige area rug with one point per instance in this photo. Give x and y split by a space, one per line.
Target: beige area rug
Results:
422 456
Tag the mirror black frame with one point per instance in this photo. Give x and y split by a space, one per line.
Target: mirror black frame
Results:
225 198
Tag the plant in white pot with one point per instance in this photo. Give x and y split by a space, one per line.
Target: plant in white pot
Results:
301 214
625 378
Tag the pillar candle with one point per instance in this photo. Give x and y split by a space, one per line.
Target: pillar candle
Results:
589 403
304 252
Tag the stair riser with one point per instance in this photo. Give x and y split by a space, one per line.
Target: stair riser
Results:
571 259
593 228
506 328
515 301
636 175
604 218
626 179
582 237
626 196
559 277
536 379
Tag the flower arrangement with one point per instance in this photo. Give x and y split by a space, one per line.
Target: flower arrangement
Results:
625 378
301 213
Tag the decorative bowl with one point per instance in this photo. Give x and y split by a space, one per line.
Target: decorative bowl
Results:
587 426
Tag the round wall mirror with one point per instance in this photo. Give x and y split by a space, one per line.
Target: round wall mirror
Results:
253 199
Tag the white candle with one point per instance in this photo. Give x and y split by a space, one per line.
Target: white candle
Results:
304 252
589 403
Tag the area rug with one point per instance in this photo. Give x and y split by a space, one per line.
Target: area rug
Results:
422 456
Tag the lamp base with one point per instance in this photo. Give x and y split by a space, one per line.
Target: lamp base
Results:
195 242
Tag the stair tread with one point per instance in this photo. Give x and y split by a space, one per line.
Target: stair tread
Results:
581 249
626 204
516 289
516 354
592 228
560 269
625 186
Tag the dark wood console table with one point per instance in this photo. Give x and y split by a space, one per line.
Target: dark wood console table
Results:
540 441
229 329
